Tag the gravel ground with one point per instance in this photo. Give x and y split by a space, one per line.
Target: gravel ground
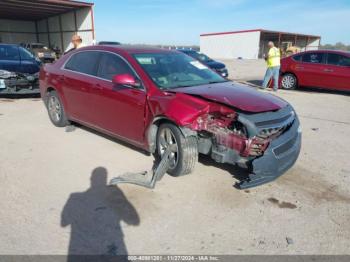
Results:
54 199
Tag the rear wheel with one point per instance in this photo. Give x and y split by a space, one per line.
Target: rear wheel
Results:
289 81
55 109
184 150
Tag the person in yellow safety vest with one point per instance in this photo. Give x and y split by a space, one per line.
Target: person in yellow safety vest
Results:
273 60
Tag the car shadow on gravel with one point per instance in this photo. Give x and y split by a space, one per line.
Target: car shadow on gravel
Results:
19 96
258 83
111 138
235 171
95 217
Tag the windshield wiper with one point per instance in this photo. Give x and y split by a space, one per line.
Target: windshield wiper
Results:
216 82
174 87
180 86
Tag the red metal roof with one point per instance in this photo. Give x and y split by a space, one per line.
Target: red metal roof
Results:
39 9
258 30
232 32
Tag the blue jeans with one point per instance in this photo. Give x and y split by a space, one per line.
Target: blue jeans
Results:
272 72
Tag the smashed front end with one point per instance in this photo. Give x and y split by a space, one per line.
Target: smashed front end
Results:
18 83
267 143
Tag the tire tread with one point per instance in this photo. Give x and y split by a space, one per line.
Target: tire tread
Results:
188 149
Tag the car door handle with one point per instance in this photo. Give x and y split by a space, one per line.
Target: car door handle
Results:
61 78
328 70
98 86
299 67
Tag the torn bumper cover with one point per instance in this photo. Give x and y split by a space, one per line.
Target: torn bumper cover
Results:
18 83
280 155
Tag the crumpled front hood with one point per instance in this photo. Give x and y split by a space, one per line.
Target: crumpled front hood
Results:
239 96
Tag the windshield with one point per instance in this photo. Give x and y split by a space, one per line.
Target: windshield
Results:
172 70
25 54
201 57
39 46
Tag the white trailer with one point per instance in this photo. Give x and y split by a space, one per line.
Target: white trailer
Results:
51 22
251 44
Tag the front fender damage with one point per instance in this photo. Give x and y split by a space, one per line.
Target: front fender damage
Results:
267 143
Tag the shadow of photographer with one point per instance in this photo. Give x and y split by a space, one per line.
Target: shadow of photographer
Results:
95 216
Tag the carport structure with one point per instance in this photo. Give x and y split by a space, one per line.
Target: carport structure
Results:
306 42
252 44
51 22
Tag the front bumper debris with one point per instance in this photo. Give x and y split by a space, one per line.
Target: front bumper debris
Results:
280 155
17 83
146 179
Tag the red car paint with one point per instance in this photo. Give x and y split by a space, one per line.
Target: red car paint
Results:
322 75
128 113
236 95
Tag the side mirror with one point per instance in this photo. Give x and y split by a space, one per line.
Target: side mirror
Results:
126 80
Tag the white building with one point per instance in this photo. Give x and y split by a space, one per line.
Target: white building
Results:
252 44
51 22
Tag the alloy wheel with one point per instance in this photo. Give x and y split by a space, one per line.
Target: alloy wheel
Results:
288 82
55 109
167 140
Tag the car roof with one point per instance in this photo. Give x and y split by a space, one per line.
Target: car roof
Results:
131 49
3 44
186 50
109 42
325 51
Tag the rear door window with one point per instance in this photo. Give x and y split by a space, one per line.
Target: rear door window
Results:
297 57
8 52
315 58
111 65
83 62
339 60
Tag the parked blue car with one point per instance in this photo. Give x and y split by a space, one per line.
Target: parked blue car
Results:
19 70
220 68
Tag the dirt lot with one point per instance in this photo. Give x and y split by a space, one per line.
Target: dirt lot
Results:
54 198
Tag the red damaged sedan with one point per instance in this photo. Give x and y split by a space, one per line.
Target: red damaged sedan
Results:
159 99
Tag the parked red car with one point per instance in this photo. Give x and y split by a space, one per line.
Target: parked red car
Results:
156 99
322 68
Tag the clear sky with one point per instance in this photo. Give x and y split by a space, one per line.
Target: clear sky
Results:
180 22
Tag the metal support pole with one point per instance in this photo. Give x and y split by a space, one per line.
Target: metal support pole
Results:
61 34
36 31
279 40
48 31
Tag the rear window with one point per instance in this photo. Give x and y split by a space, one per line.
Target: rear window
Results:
8 52
297 57
83 62
111 65
315 58
339 60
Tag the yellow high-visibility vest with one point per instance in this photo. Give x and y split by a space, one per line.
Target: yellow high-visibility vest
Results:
274 58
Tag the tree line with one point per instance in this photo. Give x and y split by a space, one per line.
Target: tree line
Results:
337 46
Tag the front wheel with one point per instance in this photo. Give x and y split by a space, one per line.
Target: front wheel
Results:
289 81
184 150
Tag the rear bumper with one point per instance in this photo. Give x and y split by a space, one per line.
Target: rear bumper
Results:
280 156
